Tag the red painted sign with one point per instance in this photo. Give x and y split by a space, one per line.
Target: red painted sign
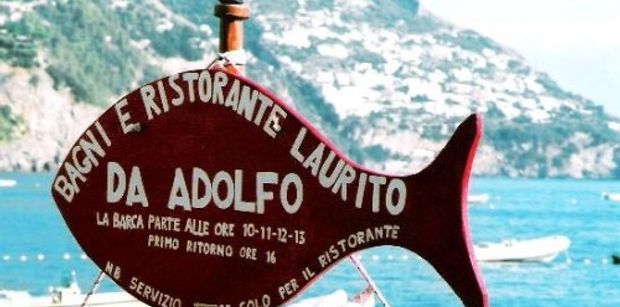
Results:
204 189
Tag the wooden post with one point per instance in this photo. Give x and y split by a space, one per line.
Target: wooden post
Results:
232 13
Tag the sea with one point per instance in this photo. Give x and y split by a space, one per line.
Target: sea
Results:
37 251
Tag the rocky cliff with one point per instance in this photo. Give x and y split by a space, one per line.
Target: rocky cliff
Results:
386 80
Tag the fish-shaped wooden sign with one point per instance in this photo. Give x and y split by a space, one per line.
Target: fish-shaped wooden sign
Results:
204 189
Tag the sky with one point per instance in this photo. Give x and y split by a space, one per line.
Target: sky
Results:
576 41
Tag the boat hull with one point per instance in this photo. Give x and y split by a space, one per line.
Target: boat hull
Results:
615 197
478 198
544 249
7 183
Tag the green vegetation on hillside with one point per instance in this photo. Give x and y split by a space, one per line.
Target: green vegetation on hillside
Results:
88 45
89 51
469 40
196 11
527 144
18 42
8 124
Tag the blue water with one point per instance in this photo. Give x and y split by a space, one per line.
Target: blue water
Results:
30 225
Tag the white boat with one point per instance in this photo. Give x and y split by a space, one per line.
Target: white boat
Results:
478 198
543 249
339 299
67 296
615 197
7 183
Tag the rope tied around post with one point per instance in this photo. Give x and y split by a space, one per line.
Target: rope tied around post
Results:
233 61
369 281
93 289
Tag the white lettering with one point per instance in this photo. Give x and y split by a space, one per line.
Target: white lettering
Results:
289 179
263 178
116 183
123 117
179 196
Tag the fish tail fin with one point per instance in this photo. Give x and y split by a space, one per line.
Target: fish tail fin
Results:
437 212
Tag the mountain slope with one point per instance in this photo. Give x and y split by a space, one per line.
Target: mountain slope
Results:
385 80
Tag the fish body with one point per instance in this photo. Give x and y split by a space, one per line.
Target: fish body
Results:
204 189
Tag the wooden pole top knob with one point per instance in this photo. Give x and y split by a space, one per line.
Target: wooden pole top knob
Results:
232 11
